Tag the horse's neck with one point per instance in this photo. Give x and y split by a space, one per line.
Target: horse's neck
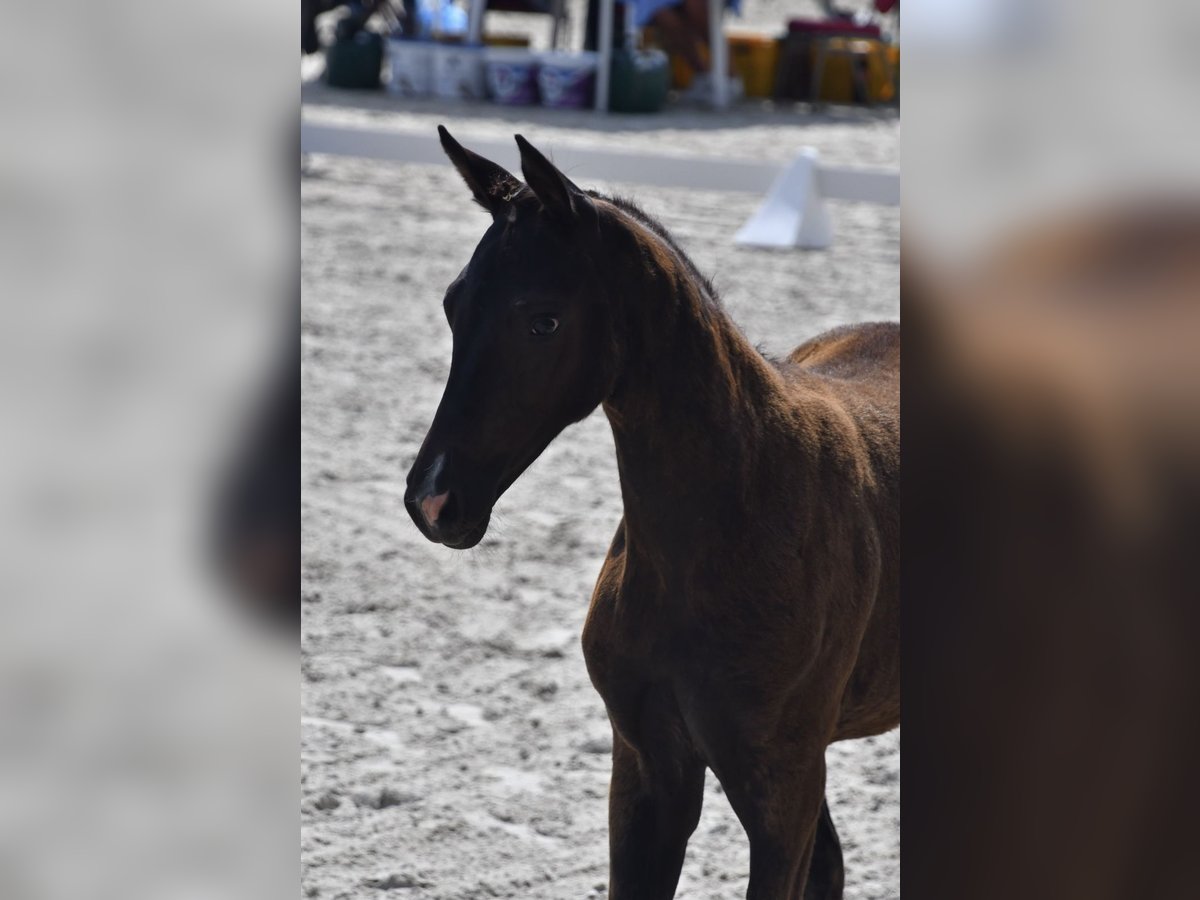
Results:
693 409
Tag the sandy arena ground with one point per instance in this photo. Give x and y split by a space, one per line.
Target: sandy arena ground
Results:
452 745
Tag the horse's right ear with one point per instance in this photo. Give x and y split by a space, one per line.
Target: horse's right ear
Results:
493 186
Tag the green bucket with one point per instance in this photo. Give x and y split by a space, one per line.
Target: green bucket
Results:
639 81
355 62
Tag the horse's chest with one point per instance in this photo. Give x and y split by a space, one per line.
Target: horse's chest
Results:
663 700
646 668
621 648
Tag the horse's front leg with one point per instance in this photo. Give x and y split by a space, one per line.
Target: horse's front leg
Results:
827 873
653 808
778 796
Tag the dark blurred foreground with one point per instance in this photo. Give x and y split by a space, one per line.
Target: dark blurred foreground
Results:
1051 302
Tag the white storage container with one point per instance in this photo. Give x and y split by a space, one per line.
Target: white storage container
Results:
410 68
567 80
511 75
458 71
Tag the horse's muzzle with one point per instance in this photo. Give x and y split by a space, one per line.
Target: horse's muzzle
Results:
444 519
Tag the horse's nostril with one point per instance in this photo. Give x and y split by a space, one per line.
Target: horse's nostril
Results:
437 510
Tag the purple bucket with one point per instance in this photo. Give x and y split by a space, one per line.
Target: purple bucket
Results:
512 76
567 80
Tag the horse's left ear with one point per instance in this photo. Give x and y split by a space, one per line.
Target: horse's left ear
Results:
559 196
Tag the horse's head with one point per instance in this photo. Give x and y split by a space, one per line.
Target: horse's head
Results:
532 343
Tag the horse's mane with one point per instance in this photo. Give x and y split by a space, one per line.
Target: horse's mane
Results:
708 293
656 227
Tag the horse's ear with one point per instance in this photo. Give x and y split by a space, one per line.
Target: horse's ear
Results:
560 196
492 185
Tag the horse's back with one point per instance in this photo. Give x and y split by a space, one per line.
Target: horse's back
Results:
852 351
853 374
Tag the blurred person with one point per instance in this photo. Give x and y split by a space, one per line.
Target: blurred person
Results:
1052 434
357 13
684 29
257 526
254 532
146 236
1051 452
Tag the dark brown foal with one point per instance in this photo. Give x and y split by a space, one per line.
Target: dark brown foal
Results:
747 614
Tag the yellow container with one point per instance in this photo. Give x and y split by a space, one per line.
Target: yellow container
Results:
754 58
837 82
506 40
681 73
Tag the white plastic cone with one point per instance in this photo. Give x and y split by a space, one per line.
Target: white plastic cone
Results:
794 213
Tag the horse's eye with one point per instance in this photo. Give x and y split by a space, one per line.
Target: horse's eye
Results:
543 325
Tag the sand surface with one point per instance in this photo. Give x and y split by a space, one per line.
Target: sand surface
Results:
452 745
